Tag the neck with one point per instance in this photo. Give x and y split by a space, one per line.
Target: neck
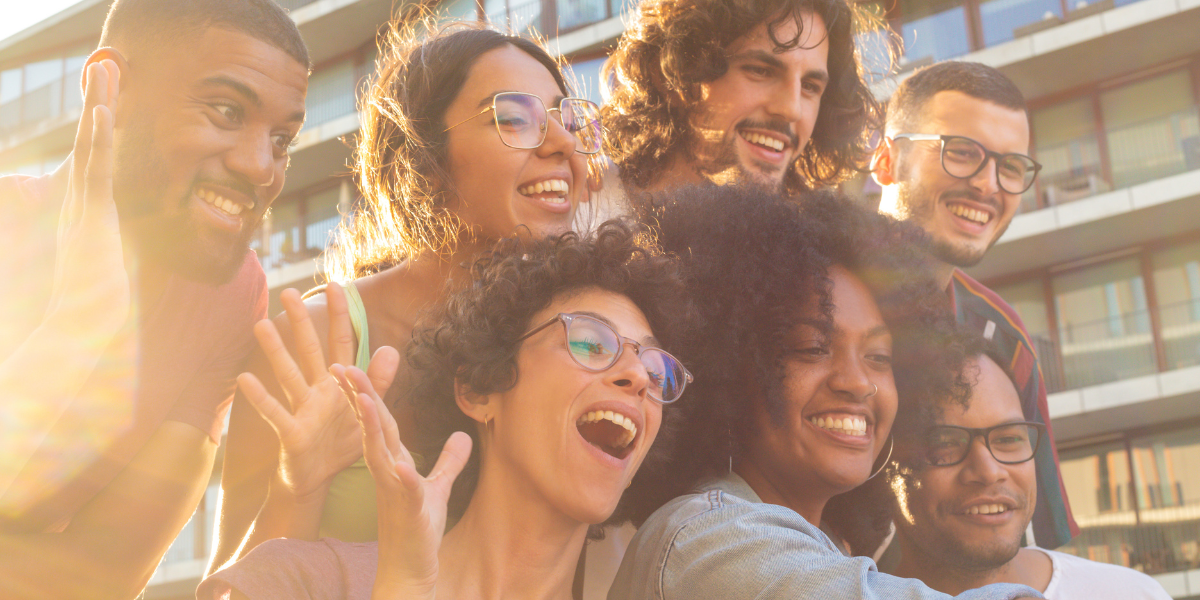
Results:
531 548
803 499
1028 567
944 272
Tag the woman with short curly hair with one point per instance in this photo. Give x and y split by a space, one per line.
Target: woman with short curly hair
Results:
549 361
468 136
822 321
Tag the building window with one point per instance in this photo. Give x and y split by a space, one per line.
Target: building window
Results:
1152 129
933 30
1066 145
1177 291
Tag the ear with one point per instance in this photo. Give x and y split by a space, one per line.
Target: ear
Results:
475 406
106 53
883 162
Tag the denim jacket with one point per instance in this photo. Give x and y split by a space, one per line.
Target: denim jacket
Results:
723 542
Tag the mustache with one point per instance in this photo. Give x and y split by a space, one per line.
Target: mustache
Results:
242 187
780 127
974 196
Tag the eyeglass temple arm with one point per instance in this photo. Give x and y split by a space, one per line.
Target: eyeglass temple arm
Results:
467 119
917 137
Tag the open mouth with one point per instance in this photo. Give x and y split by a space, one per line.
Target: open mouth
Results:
765 142
844 424
219 202
970 214
613 433
552 191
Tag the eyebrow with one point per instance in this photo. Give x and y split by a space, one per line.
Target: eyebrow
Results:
649 340
245 91
772 60
487 100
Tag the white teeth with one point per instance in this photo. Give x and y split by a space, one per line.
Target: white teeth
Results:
986 509
763 140
849 425
549 185
615 418
224 204
970 214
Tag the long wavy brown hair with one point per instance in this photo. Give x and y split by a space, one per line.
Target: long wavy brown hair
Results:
676 45
400 154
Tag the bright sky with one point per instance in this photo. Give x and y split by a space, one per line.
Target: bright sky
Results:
19 14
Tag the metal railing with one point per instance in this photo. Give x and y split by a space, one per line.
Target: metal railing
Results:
1166 540
39 104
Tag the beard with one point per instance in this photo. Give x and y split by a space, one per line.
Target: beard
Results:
167 233
917 205
718 161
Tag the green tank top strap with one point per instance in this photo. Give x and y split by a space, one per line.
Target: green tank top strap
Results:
358 320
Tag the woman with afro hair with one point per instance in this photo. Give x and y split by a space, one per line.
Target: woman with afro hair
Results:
822 320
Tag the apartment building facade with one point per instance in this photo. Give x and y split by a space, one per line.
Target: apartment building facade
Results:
1102 262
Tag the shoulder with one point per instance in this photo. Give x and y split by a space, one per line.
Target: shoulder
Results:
287 569
982 294
1077 577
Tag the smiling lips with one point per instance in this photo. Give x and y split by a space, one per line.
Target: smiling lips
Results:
765 141
553 191
987 509
223 204
843 424
970 214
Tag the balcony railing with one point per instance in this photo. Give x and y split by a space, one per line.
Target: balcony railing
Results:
294 4
44 102
552 17
1155 540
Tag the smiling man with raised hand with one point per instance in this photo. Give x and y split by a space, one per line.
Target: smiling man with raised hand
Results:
954 161
965 491
731 91
129 313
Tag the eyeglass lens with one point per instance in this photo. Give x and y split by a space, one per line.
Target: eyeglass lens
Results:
963 157
1013 443
521 120
595 346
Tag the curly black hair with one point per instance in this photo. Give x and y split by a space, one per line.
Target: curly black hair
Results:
753 262
473 337
673 46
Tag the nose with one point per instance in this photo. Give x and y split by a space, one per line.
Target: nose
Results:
558 140
850 378
985 180
787 101
981 467
253 158
629 374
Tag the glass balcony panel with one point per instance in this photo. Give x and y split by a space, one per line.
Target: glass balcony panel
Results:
283 242
42 103
10 85
1066 145
294 4
330 94
933 30
1177 288
1104 324
1098 484
1152 129
1001 17
1029 300
573 14
519 17
323 219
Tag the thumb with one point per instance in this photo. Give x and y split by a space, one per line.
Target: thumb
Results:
450 463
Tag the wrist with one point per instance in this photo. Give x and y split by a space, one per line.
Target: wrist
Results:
306 497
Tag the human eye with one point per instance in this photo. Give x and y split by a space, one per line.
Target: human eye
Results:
283 142
588 347
881 360
229 113
813 87
1013 166
512 121
756 70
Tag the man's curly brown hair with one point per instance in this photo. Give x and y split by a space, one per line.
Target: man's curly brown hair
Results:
474 336
676 45
754 262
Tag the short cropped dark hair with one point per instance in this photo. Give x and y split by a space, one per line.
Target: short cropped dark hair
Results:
675 45
132 25
754 262
473 338
973 79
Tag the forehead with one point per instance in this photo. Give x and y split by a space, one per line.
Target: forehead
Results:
811 53
624 316
993 401
998 128
508 69
854 307
216 51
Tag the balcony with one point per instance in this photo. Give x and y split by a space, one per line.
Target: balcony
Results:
551 18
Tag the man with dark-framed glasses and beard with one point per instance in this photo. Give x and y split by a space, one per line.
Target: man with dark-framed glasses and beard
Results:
965 488
954 161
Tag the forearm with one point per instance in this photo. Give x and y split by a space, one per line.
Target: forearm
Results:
284 515
63 566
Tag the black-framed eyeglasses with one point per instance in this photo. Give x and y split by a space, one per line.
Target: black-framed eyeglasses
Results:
963 157
1009 443
522 121
595 346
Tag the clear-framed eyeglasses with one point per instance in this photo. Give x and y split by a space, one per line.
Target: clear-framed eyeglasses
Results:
596 346
522 121
963 158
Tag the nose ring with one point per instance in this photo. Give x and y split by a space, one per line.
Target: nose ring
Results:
874 390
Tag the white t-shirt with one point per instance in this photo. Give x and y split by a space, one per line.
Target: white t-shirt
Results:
1077 578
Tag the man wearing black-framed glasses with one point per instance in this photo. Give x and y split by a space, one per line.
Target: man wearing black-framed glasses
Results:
965 488
954 161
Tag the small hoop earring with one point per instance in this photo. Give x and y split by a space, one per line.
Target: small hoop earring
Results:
487 424
891 446
874 390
